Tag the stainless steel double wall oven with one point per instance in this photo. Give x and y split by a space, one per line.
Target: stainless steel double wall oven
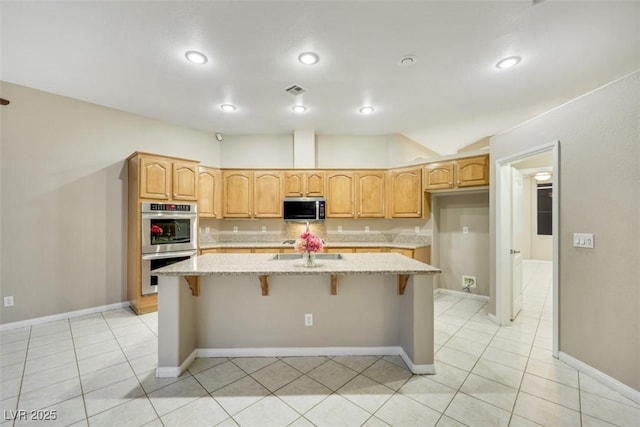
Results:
169 235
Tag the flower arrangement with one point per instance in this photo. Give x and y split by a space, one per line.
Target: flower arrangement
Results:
308 242
156 230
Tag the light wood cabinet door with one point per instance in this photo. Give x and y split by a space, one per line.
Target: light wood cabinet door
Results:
294 184
267 194
439 176
405 193
237 194
210 251
472 171
405 252
155 178
209 192
304 183
368 250
314 183
370 194
185 181
340 195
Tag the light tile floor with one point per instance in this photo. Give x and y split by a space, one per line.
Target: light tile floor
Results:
98 370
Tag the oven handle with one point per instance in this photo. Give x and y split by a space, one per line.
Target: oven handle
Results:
160 255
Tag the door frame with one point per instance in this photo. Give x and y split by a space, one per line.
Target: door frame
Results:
503 235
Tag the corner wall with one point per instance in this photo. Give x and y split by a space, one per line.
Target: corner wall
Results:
64 198
599 181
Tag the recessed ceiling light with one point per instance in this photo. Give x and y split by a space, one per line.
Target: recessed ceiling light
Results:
408 60
508 62
367 109
196 57
308 58
228 107
299 108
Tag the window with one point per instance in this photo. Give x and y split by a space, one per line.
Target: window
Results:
545 203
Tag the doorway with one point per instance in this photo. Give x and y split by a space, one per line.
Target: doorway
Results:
509 252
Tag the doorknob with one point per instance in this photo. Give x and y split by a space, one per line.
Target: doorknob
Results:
513 252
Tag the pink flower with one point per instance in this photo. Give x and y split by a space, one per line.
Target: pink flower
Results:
308 242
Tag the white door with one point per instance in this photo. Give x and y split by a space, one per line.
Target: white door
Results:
516 242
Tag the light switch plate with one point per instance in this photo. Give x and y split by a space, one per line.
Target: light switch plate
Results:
583 240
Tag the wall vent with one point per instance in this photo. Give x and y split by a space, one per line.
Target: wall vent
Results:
295 90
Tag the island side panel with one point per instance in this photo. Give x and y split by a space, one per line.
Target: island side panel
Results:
176 326
418 324
234 314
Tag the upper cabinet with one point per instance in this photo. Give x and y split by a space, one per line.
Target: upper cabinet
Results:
358 194
237 190
209 192
460 173
341 194
267 194
472 171
405 193
249 194
370 194
166 178
304 183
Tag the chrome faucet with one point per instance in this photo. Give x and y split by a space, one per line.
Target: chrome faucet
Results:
307 227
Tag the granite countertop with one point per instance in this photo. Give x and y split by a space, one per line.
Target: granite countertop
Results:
346 244
262 264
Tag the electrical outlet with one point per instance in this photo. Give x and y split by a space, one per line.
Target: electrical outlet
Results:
8 301
465 230
339 229
235 229
468 282
207 229
366 228
264 229
416 229
308 319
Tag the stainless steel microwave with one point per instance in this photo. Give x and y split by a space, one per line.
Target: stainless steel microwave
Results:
304 208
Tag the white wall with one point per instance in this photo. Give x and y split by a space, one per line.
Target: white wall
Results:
64 198
257 151
599 180
352 151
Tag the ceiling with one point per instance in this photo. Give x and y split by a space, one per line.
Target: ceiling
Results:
130 56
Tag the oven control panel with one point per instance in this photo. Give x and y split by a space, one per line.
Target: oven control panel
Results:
169 207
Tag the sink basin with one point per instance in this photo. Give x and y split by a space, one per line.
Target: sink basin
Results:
282 257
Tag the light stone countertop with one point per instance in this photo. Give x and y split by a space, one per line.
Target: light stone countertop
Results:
261 264
279 244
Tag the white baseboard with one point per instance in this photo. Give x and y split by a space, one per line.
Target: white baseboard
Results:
176 371
316 351
62 316
601 377
493 318
461 294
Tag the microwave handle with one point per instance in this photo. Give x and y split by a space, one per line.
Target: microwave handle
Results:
317 209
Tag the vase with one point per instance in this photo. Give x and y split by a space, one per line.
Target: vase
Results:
308 259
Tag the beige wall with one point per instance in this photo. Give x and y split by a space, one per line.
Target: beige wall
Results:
461 254
64 198
599 180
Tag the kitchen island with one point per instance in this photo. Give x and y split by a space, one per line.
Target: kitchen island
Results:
237 305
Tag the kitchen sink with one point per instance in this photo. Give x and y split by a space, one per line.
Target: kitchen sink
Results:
283 257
